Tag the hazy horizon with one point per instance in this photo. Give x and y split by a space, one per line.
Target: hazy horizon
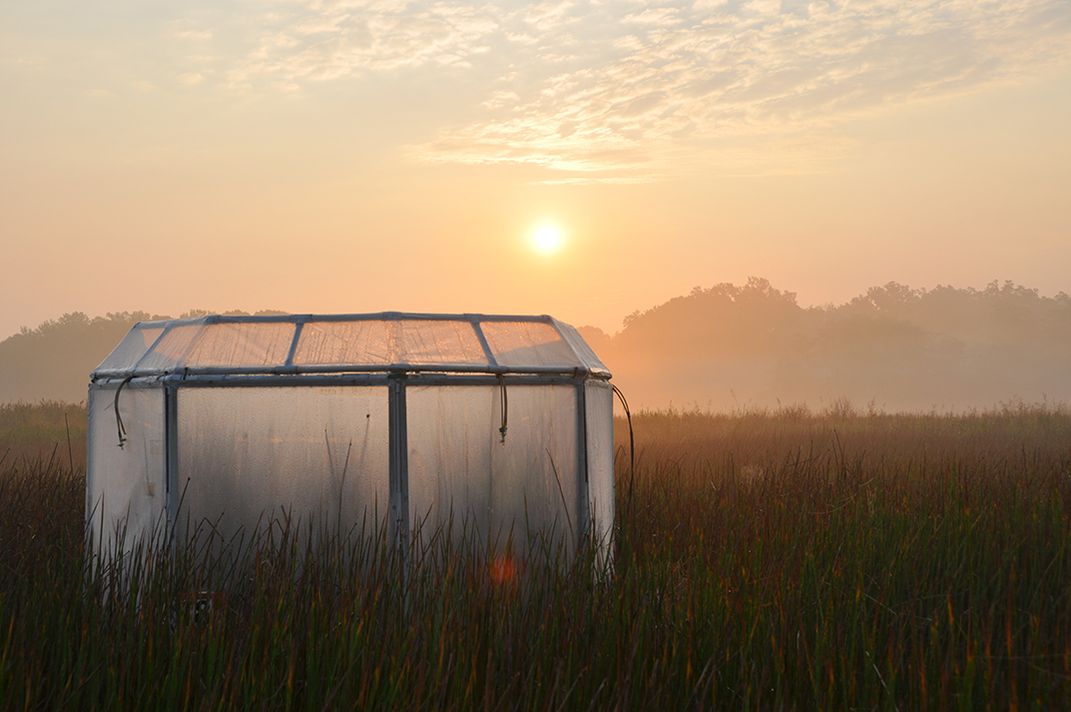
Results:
611 329
333 156
727 347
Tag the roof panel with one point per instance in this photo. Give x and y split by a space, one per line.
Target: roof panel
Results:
528 343
248 344
170 351
409 341
336 343
133 346
438 342
472 343
580 347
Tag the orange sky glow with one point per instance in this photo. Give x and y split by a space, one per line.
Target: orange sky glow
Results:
357 156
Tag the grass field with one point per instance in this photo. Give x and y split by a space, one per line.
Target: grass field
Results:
783 560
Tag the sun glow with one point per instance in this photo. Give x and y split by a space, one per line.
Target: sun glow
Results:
547 239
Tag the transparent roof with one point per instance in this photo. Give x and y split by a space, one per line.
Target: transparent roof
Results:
308 343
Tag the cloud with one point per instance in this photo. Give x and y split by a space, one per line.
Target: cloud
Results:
188 31
670 79
194 35
191 79
329 41
624 89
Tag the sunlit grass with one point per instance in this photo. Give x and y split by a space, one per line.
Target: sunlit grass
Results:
766 560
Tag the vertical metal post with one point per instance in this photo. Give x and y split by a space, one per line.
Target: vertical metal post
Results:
398 526
172 493
583 507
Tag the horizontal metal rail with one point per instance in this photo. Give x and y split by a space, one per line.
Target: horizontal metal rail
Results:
370 316
347 368
414 381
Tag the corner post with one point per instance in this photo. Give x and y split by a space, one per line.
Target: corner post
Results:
172 495
398 525
583 507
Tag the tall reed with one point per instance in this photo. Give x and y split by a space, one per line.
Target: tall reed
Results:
787 559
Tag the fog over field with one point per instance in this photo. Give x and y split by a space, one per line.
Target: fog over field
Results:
893 348
733 347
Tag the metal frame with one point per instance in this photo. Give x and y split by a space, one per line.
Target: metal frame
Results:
336 368
356 316
172 492
382 379
583 513
397 378
398 448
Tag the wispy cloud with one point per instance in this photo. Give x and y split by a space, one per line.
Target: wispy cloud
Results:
326 41
621 90
191 79
193 35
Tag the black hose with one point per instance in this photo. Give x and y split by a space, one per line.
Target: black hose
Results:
631 448
119 426
505 409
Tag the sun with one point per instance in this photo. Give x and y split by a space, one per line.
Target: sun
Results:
547 239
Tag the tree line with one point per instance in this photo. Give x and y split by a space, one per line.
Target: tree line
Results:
733 347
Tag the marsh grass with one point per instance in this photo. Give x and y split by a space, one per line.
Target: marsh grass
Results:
787 559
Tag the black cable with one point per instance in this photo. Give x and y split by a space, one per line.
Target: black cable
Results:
631 447
119 426
505 409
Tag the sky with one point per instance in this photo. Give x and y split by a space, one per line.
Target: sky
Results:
353 156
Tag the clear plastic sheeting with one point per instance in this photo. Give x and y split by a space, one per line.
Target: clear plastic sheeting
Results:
249 457
581 349
336 343
599 403
465 477
469 343
170 350
438 342
126 486
383 342
530 343
132 347
241 345
222 345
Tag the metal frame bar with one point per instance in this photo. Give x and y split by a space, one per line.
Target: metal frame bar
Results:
365 316
298 328
583 509
346 368
482 338
111 383
173 493
398 447
381 379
